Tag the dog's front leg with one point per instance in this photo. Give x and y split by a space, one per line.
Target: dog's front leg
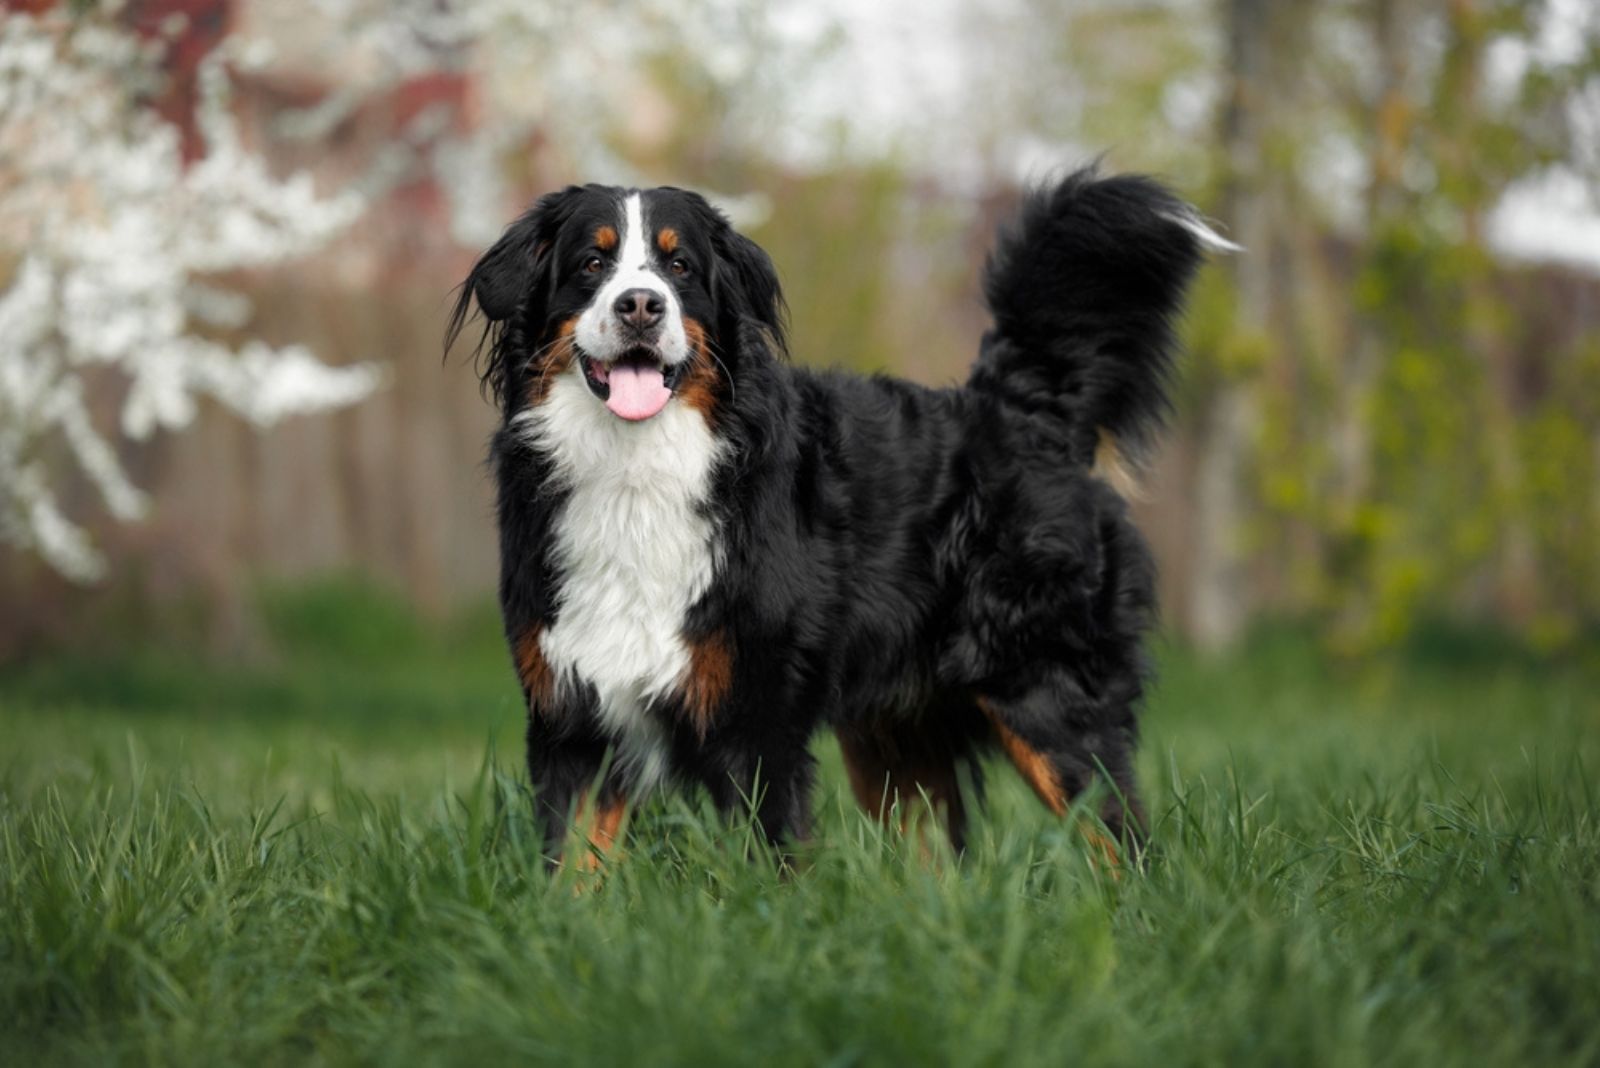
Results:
572 794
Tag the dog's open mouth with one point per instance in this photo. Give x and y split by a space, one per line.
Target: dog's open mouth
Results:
635 386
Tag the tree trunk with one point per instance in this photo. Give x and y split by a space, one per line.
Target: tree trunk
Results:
1515 566
1392 119
1221 597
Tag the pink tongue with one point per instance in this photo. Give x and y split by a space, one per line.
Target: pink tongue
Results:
637 392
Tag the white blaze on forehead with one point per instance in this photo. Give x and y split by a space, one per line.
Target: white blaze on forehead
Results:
635 254
599 334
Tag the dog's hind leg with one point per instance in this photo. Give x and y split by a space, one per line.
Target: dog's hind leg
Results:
1064 745
893 765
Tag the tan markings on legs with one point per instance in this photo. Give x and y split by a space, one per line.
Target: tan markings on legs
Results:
707 680
1103 847
1033 765
601 829
1038 773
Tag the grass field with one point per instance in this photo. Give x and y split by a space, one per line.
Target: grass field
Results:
324 855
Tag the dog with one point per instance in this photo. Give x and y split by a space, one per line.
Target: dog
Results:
707 553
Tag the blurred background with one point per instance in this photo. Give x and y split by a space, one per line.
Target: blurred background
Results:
230 231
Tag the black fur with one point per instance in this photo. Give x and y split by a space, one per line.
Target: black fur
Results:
1084 287
926 570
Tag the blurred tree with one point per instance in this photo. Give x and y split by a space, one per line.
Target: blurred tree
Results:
1362 410
1221 600
1419 489
1383 417
128 189
110 243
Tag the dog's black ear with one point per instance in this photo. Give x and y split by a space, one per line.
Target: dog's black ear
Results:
514 270
746 271
505 274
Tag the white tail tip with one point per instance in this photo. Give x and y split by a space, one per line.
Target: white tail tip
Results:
1209 239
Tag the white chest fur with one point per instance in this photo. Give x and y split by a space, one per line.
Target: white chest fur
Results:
634 550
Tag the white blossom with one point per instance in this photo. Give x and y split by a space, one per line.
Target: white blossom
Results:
104 237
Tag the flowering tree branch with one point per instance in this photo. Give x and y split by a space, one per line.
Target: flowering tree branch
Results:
106 242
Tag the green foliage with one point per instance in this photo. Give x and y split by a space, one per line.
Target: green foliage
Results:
248 865
1559 452
838 277
1455 474
353 646
1421 444
1430 516
1218 349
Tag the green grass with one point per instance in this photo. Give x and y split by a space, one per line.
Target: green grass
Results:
325 856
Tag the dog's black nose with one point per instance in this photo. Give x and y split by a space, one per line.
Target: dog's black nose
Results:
640 308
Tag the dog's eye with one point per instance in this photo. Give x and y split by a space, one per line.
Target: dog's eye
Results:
593 264
679 266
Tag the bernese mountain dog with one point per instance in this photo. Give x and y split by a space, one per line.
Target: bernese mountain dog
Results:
708 553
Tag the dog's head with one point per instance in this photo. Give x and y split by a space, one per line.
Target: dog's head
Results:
642 293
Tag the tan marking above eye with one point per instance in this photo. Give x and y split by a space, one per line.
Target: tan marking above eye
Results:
667 239
605 238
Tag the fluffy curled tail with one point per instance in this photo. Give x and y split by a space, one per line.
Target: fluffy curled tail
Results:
1084 286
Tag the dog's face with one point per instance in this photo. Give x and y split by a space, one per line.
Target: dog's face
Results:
639 292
